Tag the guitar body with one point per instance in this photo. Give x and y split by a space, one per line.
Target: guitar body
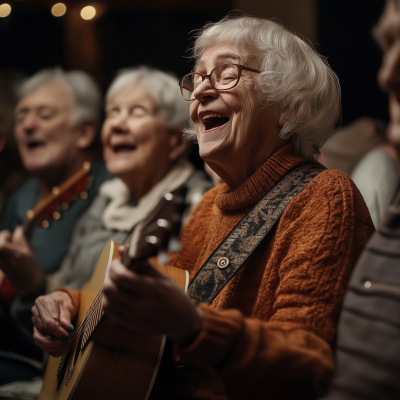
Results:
115 363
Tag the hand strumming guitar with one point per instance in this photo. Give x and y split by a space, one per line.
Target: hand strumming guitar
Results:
51 317
147 301
18 262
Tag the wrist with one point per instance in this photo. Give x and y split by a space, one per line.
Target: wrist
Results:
186 338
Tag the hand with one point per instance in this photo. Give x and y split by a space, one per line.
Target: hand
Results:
18 262
147 301
51 317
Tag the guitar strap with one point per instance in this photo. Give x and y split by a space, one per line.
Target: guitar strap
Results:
245 237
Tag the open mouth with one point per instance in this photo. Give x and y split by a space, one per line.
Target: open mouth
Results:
212 121
124 148
35 144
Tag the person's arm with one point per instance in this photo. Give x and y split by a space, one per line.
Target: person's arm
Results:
289 355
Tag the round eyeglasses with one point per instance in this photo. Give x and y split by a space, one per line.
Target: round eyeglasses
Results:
222 77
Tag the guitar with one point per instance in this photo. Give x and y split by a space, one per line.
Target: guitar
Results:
49 208
106 361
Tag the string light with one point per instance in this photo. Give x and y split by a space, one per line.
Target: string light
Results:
88 12
5 10
59 9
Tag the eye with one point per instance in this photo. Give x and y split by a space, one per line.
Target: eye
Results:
20 117
112 112
138 111
46 114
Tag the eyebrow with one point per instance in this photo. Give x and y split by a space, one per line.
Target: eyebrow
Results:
221 56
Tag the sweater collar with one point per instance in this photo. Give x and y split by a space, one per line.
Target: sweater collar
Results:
255 187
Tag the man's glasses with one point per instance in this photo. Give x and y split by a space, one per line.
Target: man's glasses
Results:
222 77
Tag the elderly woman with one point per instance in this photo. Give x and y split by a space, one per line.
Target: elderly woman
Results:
262 102
145 150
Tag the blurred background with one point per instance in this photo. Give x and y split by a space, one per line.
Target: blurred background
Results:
104 36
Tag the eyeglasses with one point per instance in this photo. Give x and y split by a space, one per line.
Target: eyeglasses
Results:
222 77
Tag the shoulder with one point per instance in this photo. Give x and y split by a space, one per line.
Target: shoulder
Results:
330 198
19 203
203 210
376 170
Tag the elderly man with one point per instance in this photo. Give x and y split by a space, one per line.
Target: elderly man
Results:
368 348
57 117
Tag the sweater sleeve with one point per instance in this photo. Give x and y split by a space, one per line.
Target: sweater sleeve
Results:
289 355
75 297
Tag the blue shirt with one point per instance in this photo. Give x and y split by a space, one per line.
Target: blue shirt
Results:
50 244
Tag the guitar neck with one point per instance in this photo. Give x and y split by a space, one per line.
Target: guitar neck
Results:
59 199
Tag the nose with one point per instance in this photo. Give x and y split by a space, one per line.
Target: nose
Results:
119 124
29 124
389 72
205 92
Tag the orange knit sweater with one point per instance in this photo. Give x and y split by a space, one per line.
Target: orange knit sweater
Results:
269 332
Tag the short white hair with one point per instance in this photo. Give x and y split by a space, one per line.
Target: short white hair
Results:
292 74
162 86
85 95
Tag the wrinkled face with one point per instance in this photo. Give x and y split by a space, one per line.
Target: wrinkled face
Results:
389 73
134 135
43 130
232 121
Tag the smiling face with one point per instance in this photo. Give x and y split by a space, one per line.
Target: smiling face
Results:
389 72
233 125
44 133
138 146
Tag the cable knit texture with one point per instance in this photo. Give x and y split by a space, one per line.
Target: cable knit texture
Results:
269 332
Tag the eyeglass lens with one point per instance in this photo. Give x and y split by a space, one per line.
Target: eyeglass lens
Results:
222 78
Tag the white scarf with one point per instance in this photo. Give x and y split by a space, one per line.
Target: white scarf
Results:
121 215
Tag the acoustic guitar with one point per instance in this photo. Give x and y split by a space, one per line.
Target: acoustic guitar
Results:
106 361
51 207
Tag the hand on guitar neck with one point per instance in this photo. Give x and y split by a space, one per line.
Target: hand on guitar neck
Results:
18 262
145 300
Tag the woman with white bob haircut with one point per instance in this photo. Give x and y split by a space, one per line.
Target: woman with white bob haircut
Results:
270 251
144 148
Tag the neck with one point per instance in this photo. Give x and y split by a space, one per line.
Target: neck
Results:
144 181
234 170
57 176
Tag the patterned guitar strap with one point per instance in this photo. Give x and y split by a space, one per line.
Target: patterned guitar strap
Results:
241 242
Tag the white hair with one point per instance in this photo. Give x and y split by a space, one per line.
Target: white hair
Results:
162 86
85 95
292 74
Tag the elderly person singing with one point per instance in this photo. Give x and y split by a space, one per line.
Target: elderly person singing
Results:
262 102
145 150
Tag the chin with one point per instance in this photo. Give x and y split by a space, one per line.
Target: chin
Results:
119 168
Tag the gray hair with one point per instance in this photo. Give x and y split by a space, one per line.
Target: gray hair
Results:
162 86
293 75
86 96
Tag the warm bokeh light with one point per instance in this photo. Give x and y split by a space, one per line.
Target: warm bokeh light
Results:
5 10
88 12
59 9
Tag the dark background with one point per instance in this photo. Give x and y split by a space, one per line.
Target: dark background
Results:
158 33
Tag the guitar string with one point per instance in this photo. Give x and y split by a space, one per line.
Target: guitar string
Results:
92 314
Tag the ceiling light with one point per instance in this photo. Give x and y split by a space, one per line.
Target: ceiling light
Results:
59 9
88 12
5 10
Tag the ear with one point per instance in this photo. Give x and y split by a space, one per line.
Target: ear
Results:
87 133
177 144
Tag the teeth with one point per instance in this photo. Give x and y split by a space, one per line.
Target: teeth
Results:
211 116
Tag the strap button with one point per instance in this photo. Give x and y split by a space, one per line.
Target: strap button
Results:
223 262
